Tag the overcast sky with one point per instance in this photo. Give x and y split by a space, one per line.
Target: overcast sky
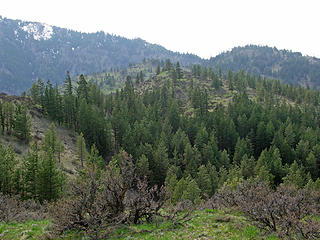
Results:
202 27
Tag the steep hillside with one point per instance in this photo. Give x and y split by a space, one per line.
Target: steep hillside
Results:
39 125
290 67
30 50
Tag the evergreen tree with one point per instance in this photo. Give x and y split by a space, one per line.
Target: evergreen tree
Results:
204 181
178 71
247 166
190 160
160 163
52 141
8 165
295 176
68 85
142 167
192 191
31 172
311 165
82 90
178 191
21 126
50 178
81 150
158 70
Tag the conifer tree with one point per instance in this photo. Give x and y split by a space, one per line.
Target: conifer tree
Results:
82 89
31 172
81 150
158 69
52 141
296 176
191 191
178 191
204 181
68 85
1 119
50 178
21 126
142 167
8 165
160 163
178 71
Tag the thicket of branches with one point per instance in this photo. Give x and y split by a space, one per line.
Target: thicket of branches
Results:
100 200
288 211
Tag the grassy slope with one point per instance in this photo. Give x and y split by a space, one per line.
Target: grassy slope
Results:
207 224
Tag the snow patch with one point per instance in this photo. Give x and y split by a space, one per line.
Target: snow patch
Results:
38 31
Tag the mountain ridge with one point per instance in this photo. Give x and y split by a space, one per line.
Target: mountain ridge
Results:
32 50
287 66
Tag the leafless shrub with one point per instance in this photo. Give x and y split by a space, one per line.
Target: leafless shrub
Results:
14 209
288 211
104 199
144 202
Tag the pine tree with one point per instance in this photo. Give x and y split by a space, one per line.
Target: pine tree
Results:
142 167
311 165
158 69
190 160
8 165
247 166
52 141
160 163
178 71
82 90
95 158
31 172
68 85
81 150
204 181
191 191
50 178
178 191
21 126
295 176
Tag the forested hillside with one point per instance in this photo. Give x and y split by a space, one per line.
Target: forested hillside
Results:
31 50
288 66
167 143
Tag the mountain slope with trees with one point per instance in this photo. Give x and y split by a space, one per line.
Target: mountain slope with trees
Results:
288 66
163 144
31 50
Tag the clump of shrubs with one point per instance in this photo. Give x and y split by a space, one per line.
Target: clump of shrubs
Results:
288 211
13 209
102 199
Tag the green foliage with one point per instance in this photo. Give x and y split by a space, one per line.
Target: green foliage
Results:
8 168
142 167
50 178
22 124
31 172
81 149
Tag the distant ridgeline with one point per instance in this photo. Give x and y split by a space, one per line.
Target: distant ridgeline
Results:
31 50
289 67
